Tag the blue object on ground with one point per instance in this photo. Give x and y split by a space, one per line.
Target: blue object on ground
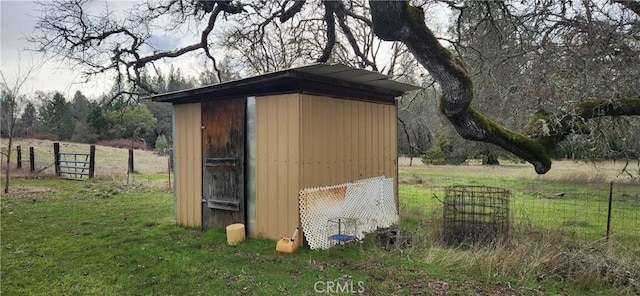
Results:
342 237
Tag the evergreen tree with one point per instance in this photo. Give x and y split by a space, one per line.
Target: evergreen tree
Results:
177 81
7 107
98 124
29 120
57 117
80 109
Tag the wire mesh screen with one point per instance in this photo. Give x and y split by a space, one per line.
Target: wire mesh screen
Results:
367 204
473 214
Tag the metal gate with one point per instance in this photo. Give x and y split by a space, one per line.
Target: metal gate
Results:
74 165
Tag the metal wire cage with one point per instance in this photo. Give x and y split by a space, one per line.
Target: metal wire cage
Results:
475 214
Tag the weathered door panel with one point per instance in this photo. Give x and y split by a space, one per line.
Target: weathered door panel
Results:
223 140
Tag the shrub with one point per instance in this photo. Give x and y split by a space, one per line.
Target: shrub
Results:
433 156
44 136
161 142
436 156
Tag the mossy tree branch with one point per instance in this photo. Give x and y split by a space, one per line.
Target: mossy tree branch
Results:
599 108
550 129
399 21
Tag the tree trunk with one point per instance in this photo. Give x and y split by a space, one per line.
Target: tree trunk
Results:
490 159
6 173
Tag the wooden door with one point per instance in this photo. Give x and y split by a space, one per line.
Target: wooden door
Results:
223 142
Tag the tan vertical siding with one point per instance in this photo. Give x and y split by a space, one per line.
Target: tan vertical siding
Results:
187 141
390 143
293 163
393 139
277 163
345 140
340 159
306 141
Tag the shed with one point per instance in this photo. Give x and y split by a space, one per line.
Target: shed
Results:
243 149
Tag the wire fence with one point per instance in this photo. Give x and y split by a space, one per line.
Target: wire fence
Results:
43 162
575 209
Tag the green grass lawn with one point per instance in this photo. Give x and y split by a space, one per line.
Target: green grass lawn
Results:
577 209
104 237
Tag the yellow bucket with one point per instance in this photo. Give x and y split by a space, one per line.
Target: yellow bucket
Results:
235 234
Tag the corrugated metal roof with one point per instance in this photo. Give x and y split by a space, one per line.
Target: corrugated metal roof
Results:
346 73
287 79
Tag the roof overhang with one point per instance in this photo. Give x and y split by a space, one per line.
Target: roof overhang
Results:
333 80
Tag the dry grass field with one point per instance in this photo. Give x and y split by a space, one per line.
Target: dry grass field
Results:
561 170
110 160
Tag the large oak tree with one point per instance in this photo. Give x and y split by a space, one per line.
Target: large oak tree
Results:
126 45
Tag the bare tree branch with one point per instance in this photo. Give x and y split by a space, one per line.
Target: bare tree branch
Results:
12 98
363 19
330 7
228 6
411 145
291 11
102 44
352 40
632 5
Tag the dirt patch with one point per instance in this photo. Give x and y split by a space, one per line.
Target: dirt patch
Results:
28 191
438 287
410 180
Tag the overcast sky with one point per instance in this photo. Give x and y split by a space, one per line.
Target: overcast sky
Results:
17 21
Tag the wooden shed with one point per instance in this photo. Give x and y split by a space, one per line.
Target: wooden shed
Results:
244 149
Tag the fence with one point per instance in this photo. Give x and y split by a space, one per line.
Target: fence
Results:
74 165
576 209
346 211
31 161
37 158
36 163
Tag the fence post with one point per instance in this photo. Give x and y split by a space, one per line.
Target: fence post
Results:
131 168
56 158
32 160
92 161
609 210
18 157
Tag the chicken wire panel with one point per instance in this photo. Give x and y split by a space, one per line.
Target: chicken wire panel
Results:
369 202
